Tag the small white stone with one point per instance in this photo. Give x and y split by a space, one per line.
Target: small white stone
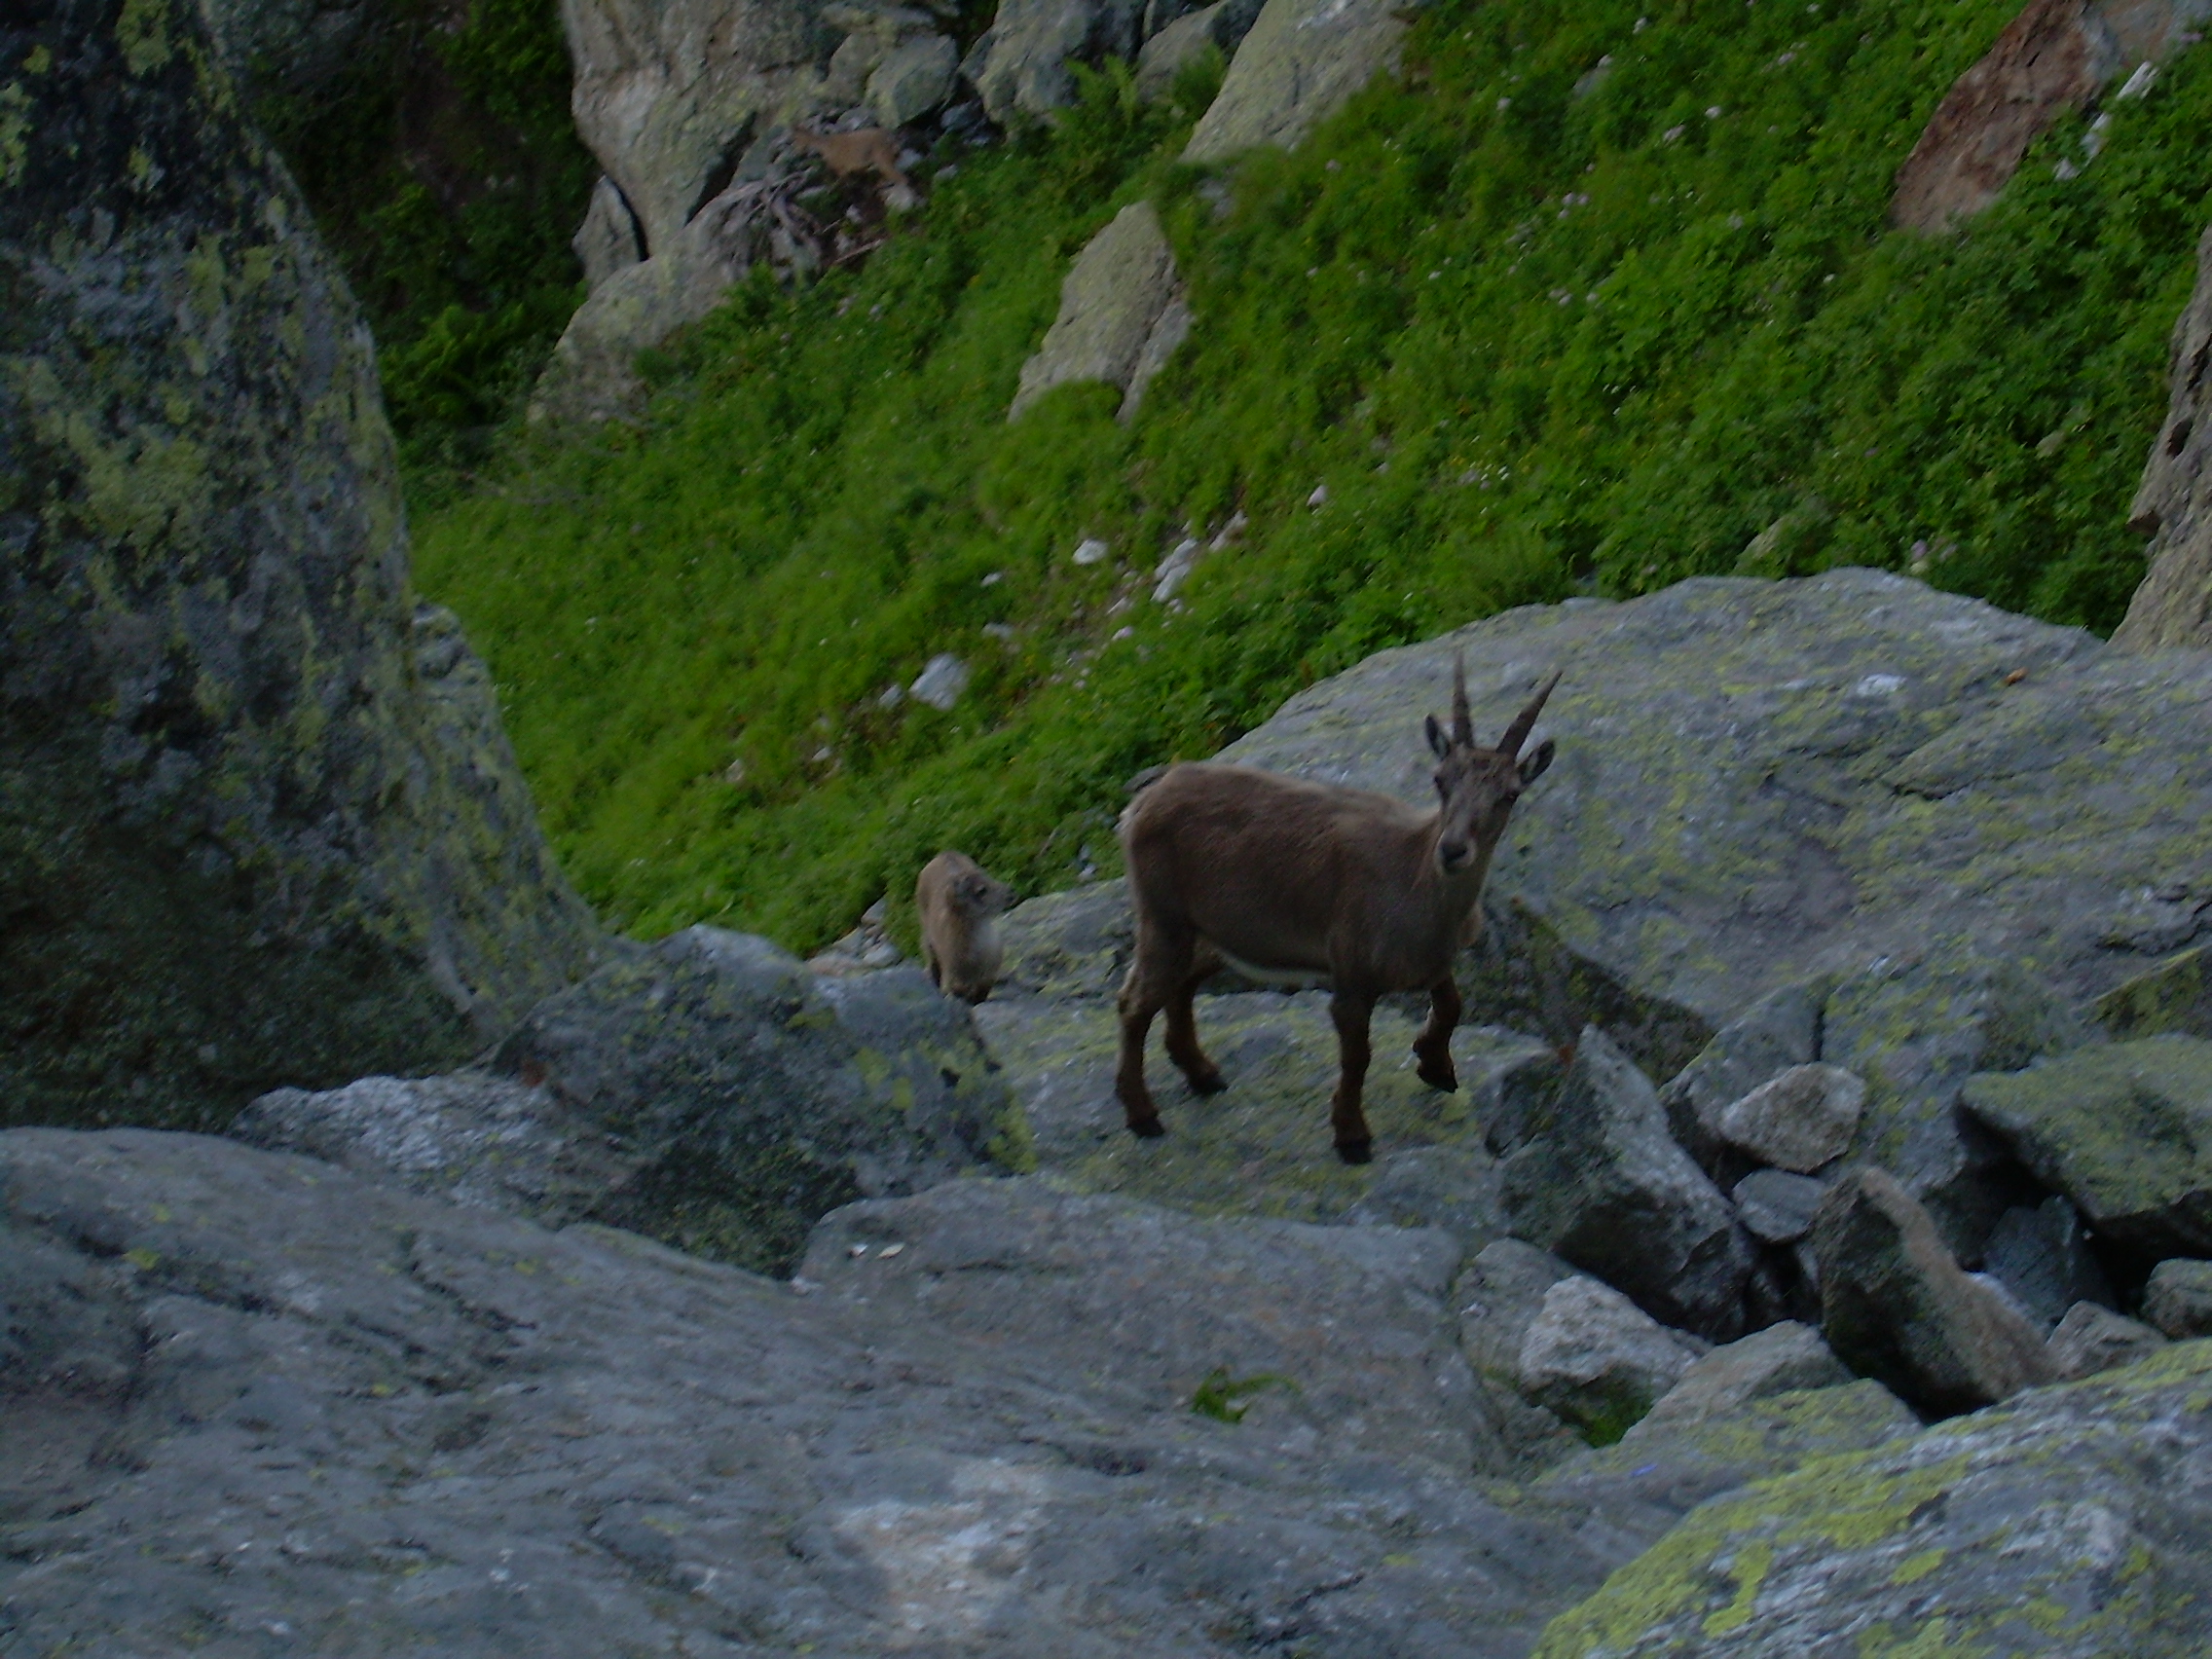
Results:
942 680
889 1250
856 1251
1319 498
1091 551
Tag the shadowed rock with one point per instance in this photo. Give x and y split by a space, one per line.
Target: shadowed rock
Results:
2173 502
2178 1299
2091 1339
1601 1184
258 820
1897 1308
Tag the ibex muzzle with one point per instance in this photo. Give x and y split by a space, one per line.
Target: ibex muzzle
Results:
1281 875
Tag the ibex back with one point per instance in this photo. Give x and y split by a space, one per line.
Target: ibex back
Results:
1280 875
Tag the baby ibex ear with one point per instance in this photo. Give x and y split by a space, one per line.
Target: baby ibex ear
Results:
1436 738
1534 763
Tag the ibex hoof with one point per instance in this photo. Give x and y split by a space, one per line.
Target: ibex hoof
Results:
1438 1075
1147 1129
1208 1082
1356 1152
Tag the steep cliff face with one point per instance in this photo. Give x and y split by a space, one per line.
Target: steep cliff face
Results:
258 822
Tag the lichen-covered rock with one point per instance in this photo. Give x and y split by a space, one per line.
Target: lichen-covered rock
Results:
2175 996
1798 1121
1122 291
2055 56
258 821
1297 67
608 241
1259 1148
1601 1184
2178 1299
2040 1528
2173 605
1596 1359
915 77
2092 1337
2125 1131
708 1092
1897 1308
1780 1359
292 46
1965 823
2043 1256
258 1402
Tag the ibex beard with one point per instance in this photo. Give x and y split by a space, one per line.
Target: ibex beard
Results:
1282 876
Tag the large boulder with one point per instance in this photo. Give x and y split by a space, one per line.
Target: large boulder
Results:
258 821
709 1092
1962 826
2173 605
668 94
2043 1527
2125 1131
1601 1184
1219 27
1897 1308
1297 67
257 1402
1121 315
2055 57
2178 1299
1021 66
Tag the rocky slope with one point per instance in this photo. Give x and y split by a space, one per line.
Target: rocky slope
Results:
258 820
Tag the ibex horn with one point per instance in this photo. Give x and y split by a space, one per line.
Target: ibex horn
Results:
1462 722
1524 721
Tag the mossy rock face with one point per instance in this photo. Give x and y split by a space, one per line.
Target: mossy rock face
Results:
2047 1526
1964 824
1262 1146
258 821
2125 1131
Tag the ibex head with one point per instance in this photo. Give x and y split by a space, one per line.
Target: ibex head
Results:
1479 786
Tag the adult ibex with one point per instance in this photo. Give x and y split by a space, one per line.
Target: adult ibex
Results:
959 907
1277 876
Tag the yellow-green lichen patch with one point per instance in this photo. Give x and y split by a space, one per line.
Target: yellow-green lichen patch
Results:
142 31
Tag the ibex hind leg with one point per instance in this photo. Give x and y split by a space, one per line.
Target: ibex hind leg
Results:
1433 1047
1160 967
1183 1026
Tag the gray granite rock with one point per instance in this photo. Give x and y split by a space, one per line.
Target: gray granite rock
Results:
1780 1359
1800 1119
2043 1258
1120 293
915 77
1781 1030
1778 1208
1297 66
608 241
1021 67
1454 1188
2040 1527
2173 605
1896 1306
1870 762
708 1092
256 1400
1221 26
260 821
1602 1185
2125 1131
2178 1299
2092 1337
1596 1359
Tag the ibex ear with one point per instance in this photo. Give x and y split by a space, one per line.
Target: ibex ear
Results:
1436 738
1534 763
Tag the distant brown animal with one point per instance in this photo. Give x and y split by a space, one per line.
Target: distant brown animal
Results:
848 153
1278 876
960 907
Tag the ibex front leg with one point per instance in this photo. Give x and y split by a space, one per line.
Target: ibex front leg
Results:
1433 1047
1352 1013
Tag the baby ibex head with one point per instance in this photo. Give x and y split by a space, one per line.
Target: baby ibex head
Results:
1479 786
979 896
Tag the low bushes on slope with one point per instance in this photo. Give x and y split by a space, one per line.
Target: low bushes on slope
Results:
1591 298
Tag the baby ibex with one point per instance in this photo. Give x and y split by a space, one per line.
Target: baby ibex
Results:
960 906
871 148
1276 875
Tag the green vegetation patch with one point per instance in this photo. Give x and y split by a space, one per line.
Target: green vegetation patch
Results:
1590 298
